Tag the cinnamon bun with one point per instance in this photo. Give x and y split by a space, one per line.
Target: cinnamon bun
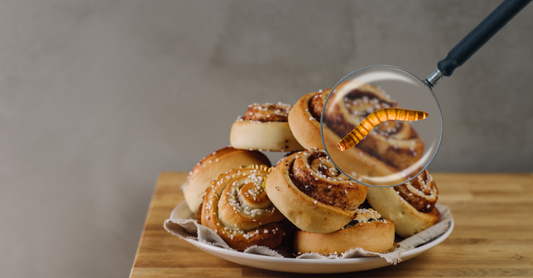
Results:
411 205
214 164
368 231
237 208
264 127
395 143
304 120
312 193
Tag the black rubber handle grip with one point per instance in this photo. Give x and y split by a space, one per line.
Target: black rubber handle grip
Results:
483 32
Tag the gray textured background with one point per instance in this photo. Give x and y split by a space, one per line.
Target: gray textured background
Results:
98 97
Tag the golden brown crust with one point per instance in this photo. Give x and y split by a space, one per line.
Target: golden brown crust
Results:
214 164
374 234
263 136
311 199
408 220
305 122
304 119
265 127
237 209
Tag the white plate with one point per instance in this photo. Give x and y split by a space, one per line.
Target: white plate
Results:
303 265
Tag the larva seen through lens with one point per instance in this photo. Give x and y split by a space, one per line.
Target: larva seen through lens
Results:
375 118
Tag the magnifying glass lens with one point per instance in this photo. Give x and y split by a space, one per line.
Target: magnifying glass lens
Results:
391 152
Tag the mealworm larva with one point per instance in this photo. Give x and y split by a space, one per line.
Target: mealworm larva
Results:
375 118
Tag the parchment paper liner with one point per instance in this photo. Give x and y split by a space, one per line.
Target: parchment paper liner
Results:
190 229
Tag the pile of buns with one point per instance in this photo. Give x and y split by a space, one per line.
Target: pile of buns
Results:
304 201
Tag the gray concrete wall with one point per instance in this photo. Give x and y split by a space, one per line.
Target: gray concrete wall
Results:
98 97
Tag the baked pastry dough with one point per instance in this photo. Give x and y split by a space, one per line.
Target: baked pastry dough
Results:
395 143
368 230
312 193
237 208
264 127
304 119
411 205
390 147
214 164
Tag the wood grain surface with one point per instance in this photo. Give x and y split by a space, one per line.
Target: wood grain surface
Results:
493 235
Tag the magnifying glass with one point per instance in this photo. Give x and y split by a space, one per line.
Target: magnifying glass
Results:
358 127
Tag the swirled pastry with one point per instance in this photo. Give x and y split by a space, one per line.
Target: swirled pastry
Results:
411 205
395 143
304 120
264 127
368 230
312 193
237 208
214 164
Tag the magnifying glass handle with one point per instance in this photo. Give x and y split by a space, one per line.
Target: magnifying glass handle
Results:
483 32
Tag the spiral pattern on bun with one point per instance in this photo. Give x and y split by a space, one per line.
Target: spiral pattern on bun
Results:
264 127
395 143
216 163
304 120
237 208
411 205
421 192
316 176
312 193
